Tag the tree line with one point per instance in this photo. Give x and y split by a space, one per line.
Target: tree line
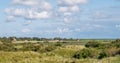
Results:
9 39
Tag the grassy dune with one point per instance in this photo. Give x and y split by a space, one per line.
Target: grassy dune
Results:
23 52
60 55
33 57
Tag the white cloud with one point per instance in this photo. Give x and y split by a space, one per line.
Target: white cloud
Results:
38 15
16 11
25 2
66 20
10 18
67 13
7 10
46 5
34 3
64 9
44 9
43 14
72 2
74 8
68 8
26 30
19 12
63 30
38 9
28 13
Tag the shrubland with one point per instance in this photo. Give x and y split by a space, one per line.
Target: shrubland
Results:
99 50
59 52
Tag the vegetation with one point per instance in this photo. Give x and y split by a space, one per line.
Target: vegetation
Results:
101 50
58 50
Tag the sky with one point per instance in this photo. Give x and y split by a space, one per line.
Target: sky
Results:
60 18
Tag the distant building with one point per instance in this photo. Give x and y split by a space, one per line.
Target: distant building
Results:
14 40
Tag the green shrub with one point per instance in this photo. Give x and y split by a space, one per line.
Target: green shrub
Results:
58 44
84 53
93 44
7 47
50 48
32 47
116 43
102 55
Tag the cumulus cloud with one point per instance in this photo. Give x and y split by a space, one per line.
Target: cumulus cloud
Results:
10 18
27 13
66 9
42 4
72 2
37 15
63 30
31 10
26 2
43 9
61 16
70 8
63 9
46 6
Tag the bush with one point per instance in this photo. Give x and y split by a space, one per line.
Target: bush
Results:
58 44
50 48
92 44
102 55
32 47
7 47
117 40
116 43
84 53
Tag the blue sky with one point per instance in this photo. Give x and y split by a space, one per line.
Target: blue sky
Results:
60 18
